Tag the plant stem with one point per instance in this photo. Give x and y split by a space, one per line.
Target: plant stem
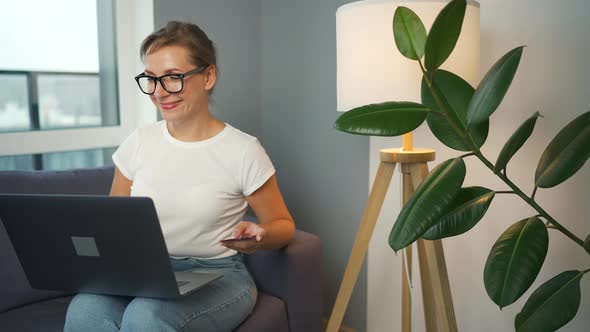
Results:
477 152
442 108
529 200
534 192
505 192
428 80
467 155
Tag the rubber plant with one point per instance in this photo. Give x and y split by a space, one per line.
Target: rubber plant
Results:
458 115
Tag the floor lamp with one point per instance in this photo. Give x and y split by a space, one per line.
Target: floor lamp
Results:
370 69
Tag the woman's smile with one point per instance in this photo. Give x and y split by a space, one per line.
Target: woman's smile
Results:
168 105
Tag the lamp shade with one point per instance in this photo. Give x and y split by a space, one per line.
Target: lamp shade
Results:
370 69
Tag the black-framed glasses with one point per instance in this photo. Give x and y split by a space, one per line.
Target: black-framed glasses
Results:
172 83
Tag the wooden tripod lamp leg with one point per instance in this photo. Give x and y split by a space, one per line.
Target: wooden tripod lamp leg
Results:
441 289
407 191
427 291
361 243
418 172
436 290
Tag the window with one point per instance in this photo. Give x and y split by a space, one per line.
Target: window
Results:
70 100
77 159
42 100
14 102
56 161
67 94
13 163
55 82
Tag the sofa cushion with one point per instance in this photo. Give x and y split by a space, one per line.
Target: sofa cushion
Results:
269 314
14 287
49 315
284 273
88 181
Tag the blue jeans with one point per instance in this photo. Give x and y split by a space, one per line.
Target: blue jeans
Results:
219 306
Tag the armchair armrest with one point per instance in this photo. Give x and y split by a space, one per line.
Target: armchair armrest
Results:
293 274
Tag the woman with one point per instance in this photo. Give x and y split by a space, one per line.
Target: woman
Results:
202 174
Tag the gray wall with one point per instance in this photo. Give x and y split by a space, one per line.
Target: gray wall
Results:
278 82
234 26
323 173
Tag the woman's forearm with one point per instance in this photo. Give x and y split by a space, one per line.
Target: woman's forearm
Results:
278 233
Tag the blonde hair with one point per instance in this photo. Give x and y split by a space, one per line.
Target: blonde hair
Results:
188 35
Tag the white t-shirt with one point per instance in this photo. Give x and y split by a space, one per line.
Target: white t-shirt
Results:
198 188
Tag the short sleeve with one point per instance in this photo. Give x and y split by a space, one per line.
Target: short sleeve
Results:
126 155
257 168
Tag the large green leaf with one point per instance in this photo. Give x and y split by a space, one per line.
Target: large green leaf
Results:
566 153
515 142
468 207
493 87
444 34
449 123
386 119
409 33
552 305
515 260
430 200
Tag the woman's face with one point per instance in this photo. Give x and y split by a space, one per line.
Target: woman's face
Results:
193 99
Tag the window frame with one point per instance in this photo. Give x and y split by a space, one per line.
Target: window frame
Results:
134 20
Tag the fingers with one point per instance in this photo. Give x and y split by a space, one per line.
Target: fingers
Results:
240 229
248 229
245 246
260 233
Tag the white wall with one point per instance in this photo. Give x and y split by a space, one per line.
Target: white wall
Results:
553 78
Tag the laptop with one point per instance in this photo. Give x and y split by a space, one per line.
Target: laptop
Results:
94 244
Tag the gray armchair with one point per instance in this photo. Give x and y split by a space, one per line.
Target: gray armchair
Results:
288 280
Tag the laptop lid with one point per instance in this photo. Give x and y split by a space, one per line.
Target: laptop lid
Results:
94 244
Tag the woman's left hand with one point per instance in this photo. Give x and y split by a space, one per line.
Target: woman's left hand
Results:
246 229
